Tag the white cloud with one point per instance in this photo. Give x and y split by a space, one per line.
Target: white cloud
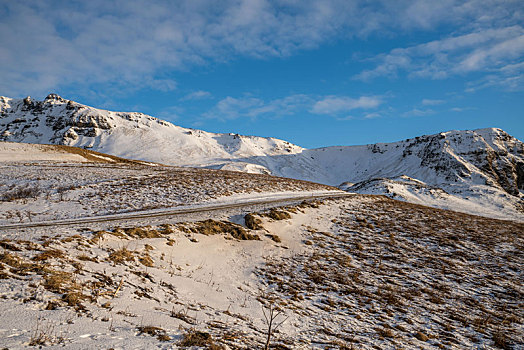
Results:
462 109
372 115
129 44
415 112
481 51
252 107
428 102
337 104
509 77
196 95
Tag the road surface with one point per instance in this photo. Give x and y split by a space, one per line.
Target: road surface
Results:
171 212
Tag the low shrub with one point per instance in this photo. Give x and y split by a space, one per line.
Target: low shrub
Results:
278 214
252 222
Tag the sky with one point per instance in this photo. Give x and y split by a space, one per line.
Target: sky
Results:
315 73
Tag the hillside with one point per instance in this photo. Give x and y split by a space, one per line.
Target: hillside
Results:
363 272
50 182
128 135
480 171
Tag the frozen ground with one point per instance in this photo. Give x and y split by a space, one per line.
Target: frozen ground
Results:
473 199
364 272
42 183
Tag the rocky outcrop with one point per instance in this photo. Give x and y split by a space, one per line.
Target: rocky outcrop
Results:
488 153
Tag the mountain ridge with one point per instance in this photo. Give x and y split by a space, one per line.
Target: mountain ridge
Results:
483 164
59 121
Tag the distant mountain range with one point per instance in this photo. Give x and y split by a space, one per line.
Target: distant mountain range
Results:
479 171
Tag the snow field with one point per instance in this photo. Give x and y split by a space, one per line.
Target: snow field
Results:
361 272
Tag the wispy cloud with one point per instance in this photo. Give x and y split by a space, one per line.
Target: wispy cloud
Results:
130 44
196 95
487 50
429 102
372 115
253 107
338 104
461 109
509 77
416 112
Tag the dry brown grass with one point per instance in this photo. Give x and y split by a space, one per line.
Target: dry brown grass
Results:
50 254
276 214
252 222
212 227
384 260
121 256
275 238
146 261
193 337
157 332
140 232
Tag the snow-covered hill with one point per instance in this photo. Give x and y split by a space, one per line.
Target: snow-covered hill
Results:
128 135
482 168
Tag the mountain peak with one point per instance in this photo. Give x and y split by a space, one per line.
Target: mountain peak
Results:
54 97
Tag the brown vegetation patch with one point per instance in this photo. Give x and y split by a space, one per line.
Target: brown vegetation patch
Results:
276 214
212 227
49 254
252 222
146 261
196 338
155 332
275 238
140 232
121 256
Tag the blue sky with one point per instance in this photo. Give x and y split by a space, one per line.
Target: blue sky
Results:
315 73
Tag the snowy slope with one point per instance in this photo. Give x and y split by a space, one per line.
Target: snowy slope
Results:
484 167
473 199
128 135
12 152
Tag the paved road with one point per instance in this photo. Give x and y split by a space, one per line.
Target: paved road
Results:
175 211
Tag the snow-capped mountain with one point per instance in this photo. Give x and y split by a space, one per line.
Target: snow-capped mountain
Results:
130 135
480 171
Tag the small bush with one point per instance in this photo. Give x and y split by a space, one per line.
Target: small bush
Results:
385 332
146 261
421 336
49 254
252 222
84 257
275 238
196 338
154 331
75 299
121 256
57 281
278 214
